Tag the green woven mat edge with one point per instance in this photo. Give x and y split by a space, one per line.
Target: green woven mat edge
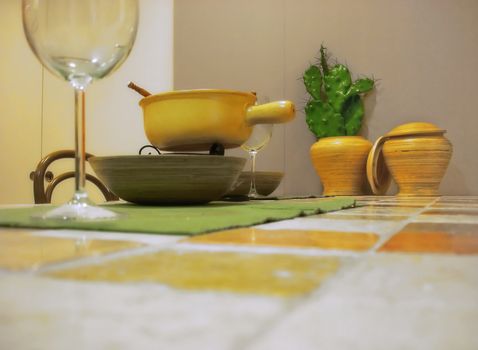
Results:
278 211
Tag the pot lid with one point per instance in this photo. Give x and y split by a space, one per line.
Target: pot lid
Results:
378 175
416 128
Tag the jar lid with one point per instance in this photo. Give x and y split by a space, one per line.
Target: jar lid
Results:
415 128
378 175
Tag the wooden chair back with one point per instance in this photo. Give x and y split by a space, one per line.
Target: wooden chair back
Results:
42 174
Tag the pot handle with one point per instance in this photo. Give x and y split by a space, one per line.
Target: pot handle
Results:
271 113
378 175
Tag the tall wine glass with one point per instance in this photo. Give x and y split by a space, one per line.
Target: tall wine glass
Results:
80 41
261 134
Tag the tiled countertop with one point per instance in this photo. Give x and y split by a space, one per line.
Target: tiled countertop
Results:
393 273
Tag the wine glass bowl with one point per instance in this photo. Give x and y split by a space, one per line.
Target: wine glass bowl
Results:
80 41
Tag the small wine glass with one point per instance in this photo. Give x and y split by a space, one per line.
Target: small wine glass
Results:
261 134
80 41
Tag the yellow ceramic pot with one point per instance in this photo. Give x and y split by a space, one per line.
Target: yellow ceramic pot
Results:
340 163
196 119
417 156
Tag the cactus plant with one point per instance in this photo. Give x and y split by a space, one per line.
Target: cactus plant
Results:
335 107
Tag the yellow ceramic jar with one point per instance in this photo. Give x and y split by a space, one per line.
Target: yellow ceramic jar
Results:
417 156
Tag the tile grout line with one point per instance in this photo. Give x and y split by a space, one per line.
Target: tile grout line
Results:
384 238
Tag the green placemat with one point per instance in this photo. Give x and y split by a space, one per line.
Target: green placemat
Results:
182 220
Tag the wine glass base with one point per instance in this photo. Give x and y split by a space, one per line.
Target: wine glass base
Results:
79 212
79 209
255 195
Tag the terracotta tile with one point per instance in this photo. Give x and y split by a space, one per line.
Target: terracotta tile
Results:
464 201
450 215
23 251
454 205
411 199
356 241
451 219
379 211
451 228
396 199
267 274
458 199
435 238
325 223
359 203
460 211
398 205
408 203
369 198
365 217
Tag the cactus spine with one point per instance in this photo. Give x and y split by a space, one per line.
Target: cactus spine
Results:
335 107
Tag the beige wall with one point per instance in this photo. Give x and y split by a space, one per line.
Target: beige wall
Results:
423 52
36 108
20 107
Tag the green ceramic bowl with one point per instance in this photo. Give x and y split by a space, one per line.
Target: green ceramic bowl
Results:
168 178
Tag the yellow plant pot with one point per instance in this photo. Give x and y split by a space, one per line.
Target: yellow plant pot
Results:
340 163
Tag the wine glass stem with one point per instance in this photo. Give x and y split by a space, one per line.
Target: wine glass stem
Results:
80 152
253 191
